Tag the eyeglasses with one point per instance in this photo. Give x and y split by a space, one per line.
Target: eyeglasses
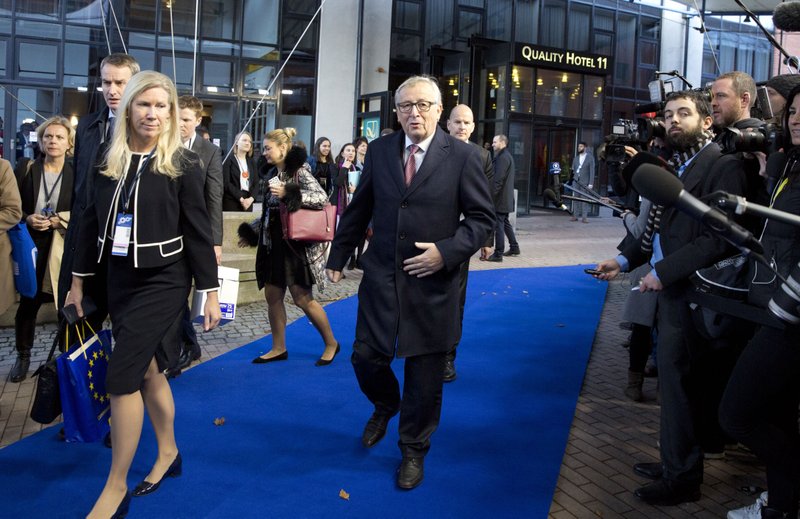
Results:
422 106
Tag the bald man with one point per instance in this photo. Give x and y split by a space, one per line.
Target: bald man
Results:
460 125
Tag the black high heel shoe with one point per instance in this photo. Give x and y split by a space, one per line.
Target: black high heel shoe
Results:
323 362
122 509
276 358
145 487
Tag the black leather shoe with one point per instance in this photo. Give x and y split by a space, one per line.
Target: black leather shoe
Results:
262 360
649 470
323 362
668 493
410 473
513 251
122 509
145 487
375 428
449 370
495 257
20 370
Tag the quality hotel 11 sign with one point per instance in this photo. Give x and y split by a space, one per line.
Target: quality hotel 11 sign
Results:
562 59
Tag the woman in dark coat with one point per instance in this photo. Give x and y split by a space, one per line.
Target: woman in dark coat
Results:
322 164
760 404
148 200
46 192
239 176
284 263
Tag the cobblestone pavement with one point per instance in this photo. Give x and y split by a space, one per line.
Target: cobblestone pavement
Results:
609 433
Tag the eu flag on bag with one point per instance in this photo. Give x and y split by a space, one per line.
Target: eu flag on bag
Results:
82 382
23 256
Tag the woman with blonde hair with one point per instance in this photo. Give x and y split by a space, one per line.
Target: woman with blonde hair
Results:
147 221
239 176
286 263
46 191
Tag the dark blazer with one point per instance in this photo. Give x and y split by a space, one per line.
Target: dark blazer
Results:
232 190
504 181
170 222
211 166
687 243
89 137
420 315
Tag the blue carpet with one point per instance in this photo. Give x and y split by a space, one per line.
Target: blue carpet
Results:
290 440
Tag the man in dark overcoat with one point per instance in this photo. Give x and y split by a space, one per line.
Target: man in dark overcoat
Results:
415 187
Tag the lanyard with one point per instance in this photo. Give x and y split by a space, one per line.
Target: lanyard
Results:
48 193
127 194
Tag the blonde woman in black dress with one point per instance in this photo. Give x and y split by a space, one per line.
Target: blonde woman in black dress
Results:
147 220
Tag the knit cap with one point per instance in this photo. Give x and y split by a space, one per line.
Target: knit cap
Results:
784 83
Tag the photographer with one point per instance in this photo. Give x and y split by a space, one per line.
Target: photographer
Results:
760 404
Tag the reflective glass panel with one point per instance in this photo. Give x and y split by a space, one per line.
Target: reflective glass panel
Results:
558 93
38 29
261 21
184 70
3 45
140 14
593 98
39 8
522 88
469 23
219 19
218 73
85 12
493 91
407 16
37 61
257 77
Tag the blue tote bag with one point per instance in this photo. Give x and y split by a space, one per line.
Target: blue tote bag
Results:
82 383
23 255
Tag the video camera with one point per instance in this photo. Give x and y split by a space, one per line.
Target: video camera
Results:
637 135
767 138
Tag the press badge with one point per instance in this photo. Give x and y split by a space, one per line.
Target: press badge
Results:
122 234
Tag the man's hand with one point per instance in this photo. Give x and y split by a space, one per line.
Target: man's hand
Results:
610 269
486 252
424 264
650 283
334 276
38 222
75 295
218 253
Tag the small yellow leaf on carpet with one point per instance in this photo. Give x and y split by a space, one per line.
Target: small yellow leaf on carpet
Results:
344 495
219 421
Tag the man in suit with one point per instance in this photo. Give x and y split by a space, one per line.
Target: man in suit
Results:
93 130
583 174
676 245
191 116
415 186
460 125
504 203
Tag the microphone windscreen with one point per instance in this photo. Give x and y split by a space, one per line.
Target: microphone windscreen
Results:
551 195
787 16
657 184
643 157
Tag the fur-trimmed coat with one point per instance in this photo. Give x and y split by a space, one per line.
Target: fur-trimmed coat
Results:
302 191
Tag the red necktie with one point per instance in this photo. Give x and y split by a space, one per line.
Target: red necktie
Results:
411 164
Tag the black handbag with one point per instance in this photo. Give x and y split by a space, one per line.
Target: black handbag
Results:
47 400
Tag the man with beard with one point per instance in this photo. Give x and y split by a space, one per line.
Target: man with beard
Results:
676 245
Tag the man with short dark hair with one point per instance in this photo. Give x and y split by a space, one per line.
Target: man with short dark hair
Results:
583 174
504 202
190 111
416 185
93 131
676 245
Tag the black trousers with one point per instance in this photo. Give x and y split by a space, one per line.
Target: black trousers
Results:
502 230
760 409
463 277
421 404
641 346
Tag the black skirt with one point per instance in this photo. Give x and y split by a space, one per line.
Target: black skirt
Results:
285 264
146 306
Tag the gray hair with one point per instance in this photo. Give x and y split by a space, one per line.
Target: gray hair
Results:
429 80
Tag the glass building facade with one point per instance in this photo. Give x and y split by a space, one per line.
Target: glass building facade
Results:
50 52
546 105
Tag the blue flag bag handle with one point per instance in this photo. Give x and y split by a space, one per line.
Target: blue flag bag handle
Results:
23 256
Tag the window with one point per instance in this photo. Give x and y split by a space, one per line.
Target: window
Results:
39 8
439 23
85 12
37 61
38 29
498 19
218 19
493 88
580 27
177 16
406 46
526 28
558 93
522 87
181 74
140 14
257 77
408 15
469 23
553 24
625 64
261 21
3 45
218 74
593 98
293 28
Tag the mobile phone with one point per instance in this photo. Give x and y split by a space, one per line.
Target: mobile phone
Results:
593 272
763 102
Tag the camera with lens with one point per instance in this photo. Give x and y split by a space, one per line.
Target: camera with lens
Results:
785 304
637 135
767 138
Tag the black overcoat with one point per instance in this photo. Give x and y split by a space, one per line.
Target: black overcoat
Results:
418 315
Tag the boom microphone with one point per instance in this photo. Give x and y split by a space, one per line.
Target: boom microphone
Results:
787 16
551 195
662 188
643 157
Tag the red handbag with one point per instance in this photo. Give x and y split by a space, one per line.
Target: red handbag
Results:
309 225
